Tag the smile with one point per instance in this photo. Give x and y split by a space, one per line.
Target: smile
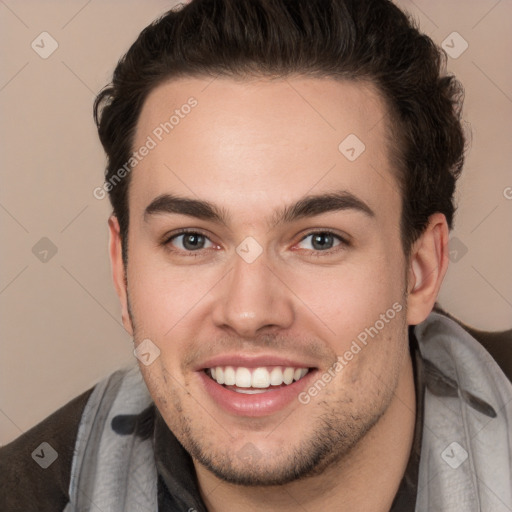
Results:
254 386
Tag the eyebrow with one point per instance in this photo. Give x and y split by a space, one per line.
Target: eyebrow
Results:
309 206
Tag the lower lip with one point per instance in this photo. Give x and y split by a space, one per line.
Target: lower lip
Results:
257 405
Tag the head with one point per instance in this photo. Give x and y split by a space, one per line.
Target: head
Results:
311 149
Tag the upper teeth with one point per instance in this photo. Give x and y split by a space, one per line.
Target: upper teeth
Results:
256 377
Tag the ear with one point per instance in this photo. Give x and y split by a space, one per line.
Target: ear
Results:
118 270
428 263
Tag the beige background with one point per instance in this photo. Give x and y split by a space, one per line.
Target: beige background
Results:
60 319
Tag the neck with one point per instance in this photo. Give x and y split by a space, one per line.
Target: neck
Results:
366 479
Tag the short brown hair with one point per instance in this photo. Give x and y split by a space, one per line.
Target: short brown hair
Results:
370 40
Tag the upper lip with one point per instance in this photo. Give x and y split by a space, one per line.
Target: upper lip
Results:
255 361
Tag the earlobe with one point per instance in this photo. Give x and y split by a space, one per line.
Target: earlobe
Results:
428 263
118 270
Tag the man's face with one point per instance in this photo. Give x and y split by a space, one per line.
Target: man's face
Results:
263 290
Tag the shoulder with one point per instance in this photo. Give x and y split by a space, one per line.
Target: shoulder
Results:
27 485
498 344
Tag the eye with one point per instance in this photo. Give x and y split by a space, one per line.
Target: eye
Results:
189 241
323 241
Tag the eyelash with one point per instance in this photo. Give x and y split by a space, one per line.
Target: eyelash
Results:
344 243
194 254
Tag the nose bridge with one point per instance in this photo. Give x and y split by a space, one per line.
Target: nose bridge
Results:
252 297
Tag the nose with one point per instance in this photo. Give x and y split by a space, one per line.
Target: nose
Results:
252 298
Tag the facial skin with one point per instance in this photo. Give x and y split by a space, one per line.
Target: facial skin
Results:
251 148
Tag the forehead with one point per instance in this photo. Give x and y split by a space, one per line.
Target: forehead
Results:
251 143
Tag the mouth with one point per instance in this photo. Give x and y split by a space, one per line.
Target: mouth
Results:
255 387
251 381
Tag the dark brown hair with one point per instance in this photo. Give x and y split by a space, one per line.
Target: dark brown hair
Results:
367 40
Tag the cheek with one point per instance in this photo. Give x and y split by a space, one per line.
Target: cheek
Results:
168 395
369 365
150 302
350 298
162 295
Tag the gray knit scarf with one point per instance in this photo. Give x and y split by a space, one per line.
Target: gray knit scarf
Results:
466 455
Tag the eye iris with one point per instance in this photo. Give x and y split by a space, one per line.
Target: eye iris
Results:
193 241
319 241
